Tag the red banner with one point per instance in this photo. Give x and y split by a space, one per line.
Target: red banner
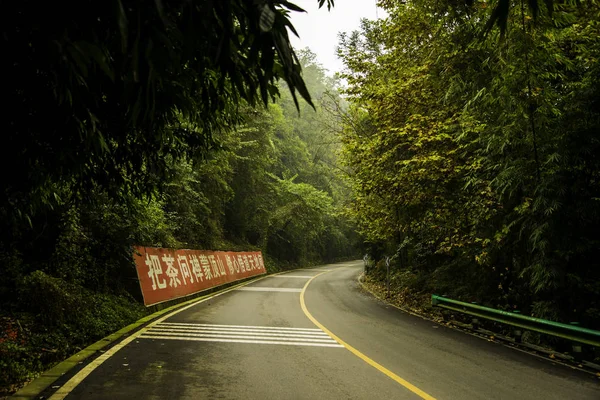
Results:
167 274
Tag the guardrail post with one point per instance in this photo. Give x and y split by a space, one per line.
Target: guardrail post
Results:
474 321
577 347
517 332
445 316
577 352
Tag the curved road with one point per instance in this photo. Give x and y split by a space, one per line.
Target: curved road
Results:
313 334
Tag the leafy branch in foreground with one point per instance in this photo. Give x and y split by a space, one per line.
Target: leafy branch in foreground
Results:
96 96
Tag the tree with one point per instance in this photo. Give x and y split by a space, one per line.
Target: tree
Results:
104 94
470 157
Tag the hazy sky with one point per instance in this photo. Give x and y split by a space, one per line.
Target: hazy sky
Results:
318 28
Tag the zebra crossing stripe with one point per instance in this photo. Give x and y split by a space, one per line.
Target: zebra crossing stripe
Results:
240 326
237 331
334 344
267 289
240 334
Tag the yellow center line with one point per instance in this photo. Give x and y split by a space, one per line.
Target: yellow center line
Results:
357 353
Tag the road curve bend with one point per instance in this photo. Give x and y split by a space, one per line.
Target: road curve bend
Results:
313 334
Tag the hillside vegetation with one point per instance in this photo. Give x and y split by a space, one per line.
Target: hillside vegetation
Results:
474 153
268 182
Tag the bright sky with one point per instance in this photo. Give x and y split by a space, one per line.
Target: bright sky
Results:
318 28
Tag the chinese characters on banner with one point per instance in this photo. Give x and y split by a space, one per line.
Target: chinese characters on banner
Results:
167 274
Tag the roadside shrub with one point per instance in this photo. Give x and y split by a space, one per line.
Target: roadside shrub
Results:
79 312
61 319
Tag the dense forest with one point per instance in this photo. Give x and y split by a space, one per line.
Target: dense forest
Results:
132 130
474 152
270 183
461 140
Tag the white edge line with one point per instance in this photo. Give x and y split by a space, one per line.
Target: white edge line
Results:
324 339
244 341
76 379
283 328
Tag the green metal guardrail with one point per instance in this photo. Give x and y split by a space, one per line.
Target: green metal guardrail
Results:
565 331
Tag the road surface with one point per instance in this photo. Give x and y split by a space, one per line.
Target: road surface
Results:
313 334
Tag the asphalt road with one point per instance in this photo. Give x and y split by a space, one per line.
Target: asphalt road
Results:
258 342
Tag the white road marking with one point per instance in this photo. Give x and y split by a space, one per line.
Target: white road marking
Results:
85 371
240 334
241 326
292 276
282 338
334 344
76 379
268 289
237 330
247 333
